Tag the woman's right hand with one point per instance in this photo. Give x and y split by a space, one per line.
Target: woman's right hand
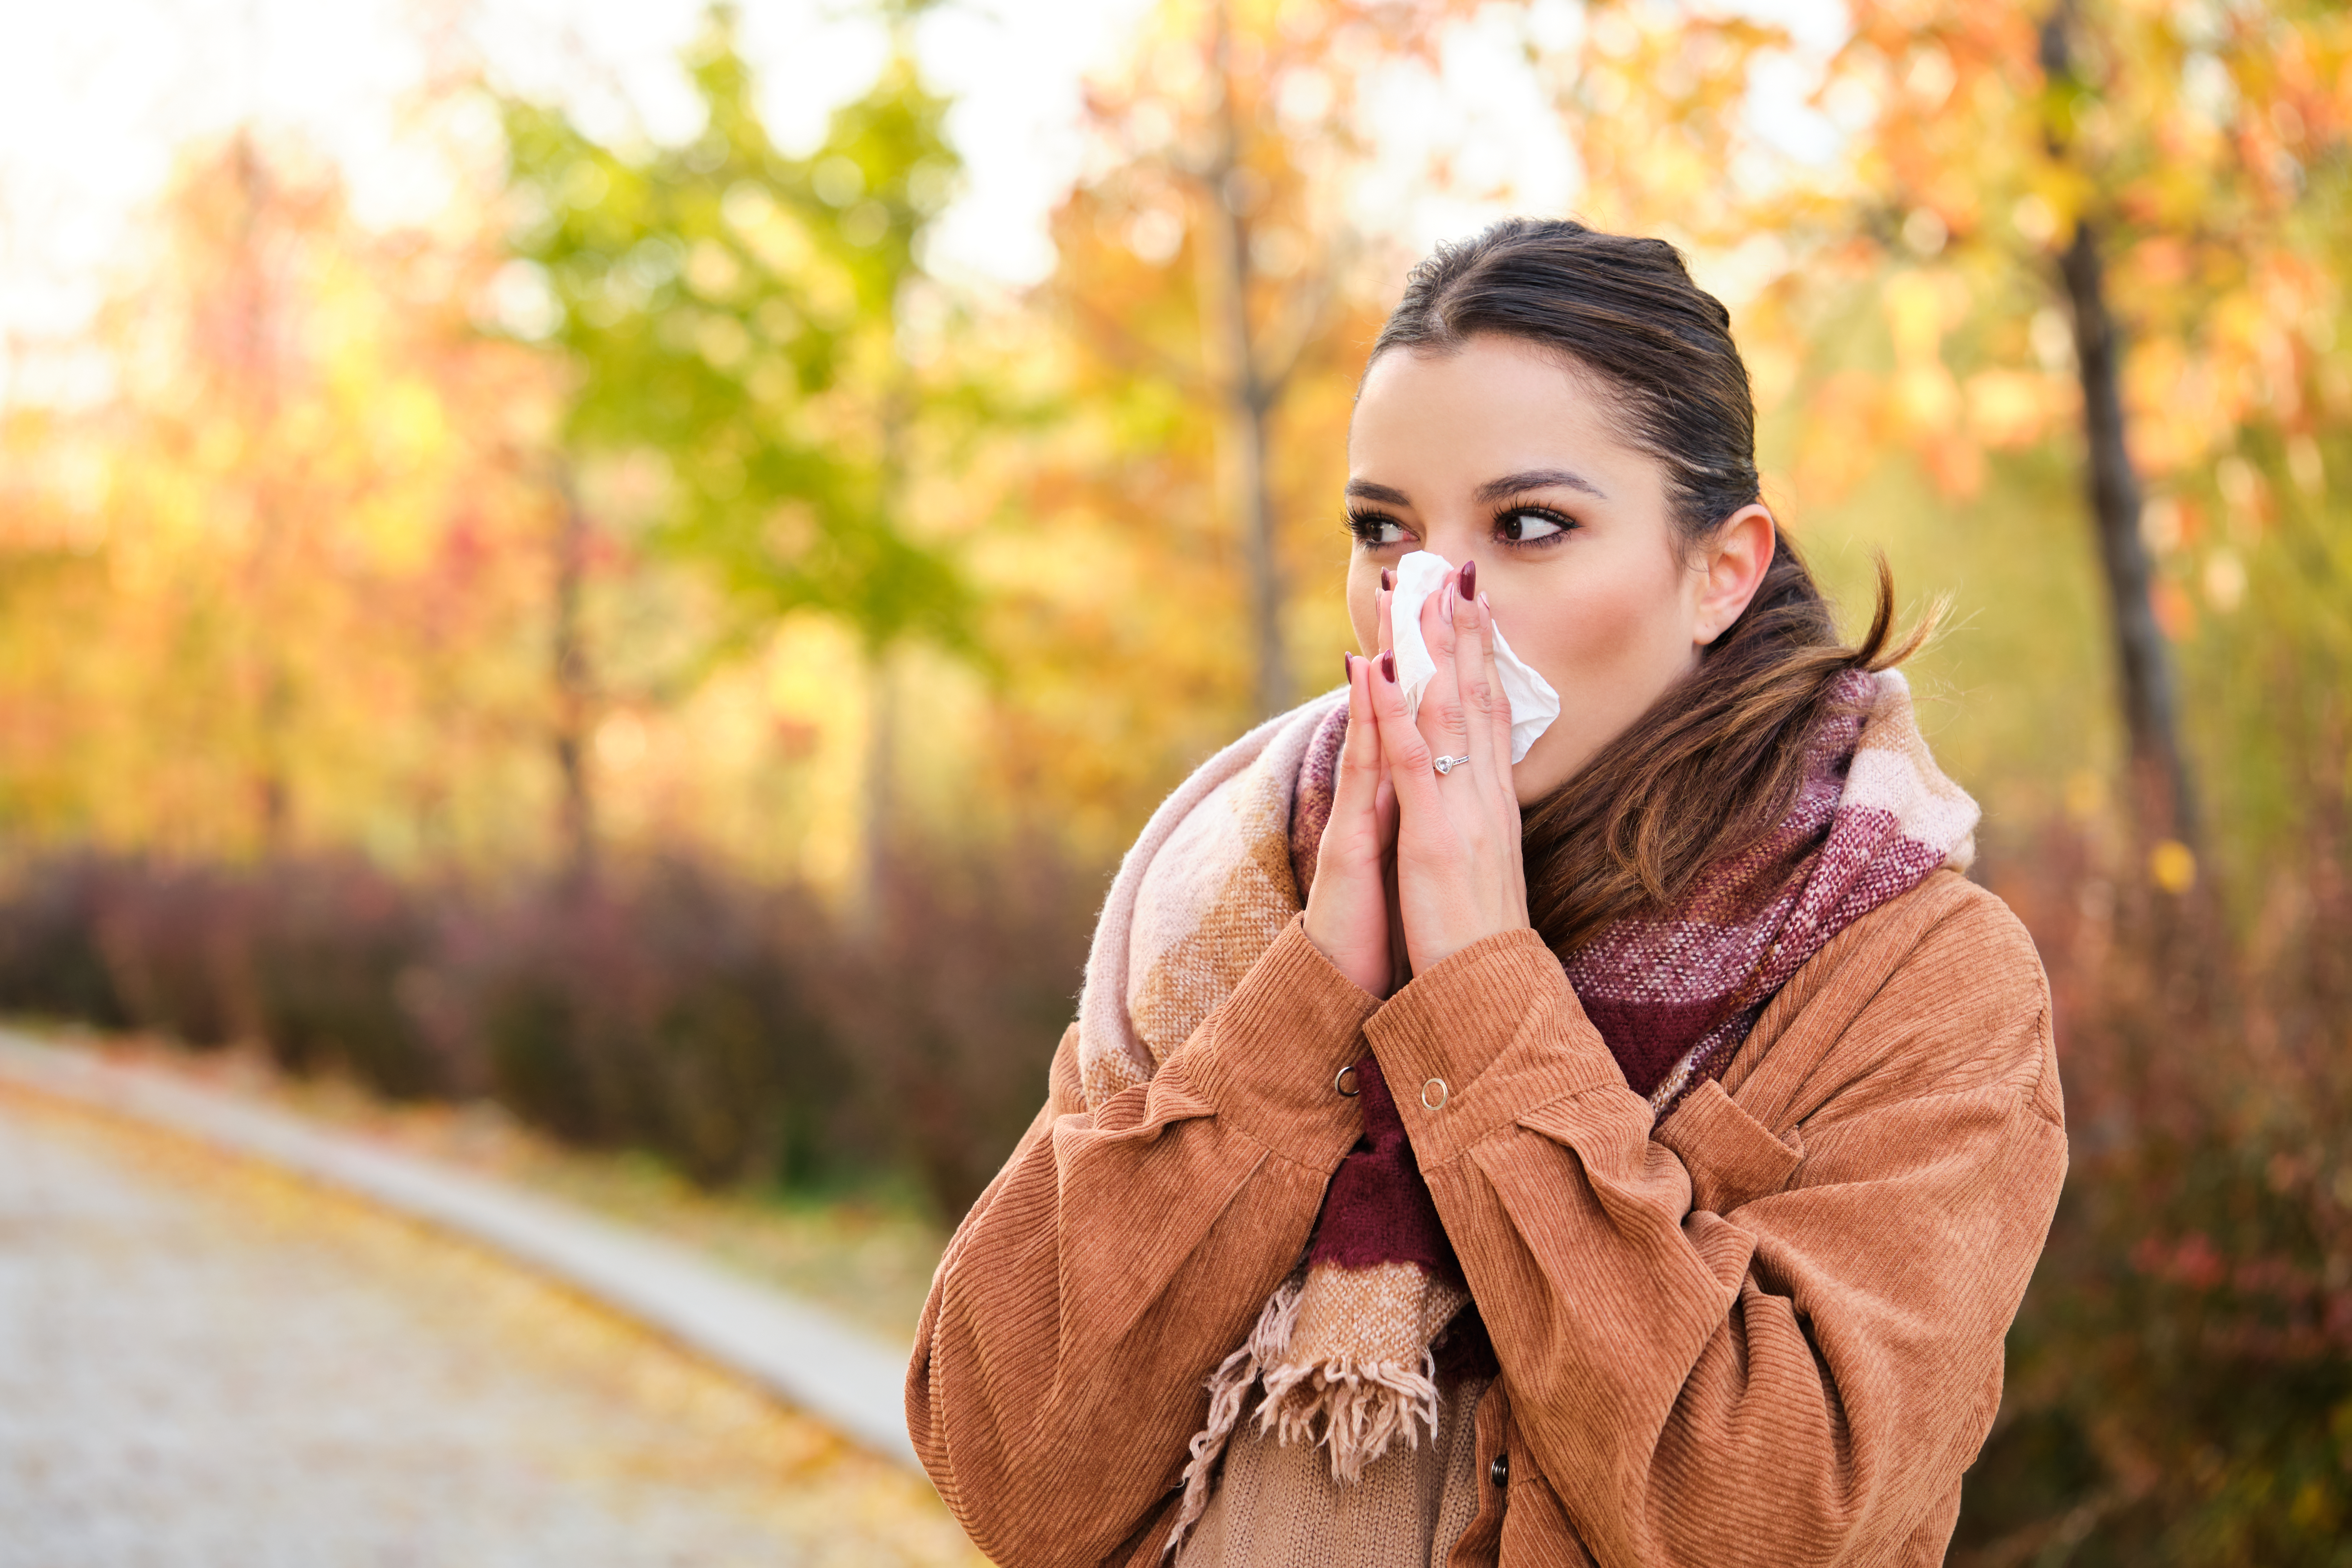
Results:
1347 909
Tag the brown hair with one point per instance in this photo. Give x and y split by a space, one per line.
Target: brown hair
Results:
1717 761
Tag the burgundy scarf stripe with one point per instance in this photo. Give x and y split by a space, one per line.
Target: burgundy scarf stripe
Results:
1310 807
1378 1209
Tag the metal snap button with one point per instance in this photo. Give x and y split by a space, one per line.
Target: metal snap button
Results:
1434 1087
1345 1082
1498 1474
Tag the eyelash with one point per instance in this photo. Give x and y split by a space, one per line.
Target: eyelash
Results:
1362 526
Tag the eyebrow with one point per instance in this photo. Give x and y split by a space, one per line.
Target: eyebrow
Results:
1492 491
1538 479
1364 489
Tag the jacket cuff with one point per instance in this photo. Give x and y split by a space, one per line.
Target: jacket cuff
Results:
1269 1057
1492 1031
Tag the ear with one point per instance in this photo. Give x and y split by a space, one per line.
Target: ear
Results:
1734 562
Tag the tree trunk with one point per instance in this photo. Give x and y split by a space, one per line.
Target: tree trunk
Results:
1245 396
2159 774
2143 659
568 666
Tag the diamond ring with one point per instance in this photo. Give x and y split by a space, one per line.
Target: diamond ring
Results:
1447 764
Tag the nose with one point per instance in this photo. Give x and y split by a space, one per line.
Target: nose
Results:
1461 540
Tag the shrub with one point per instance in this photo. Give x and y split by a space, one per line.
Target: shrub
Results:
2181 1372
960 996
669 1007
729 1026
51 962
173 937
329 943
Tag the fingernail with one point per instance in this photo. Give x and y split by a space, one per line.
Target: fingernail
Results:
1469 579
1388 579
1388 665
1347 668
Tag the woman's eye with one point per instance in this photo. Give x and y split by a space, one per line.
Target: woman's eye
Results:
1524 526
1377 532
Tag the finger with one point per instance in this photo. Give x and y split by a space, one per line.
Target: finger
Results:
1482 690
1500 717
1442 721
1502 743
1383 600
1403 750
1486 810
1357 791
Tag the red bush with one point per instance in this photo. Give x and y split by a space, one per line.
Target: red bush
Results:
730 1027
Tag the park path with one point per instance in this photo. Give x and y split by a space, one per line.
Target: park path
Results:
206 1361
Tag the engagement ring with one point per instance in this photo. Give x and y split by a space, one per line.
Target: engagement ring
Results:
1447 764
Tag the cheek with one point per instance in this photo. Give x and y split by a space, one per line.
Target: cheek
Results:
1611 637
1363 615
1592 633
1601 630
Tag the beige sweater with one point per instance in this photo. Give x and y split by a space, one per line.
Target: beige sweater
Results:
1767 1332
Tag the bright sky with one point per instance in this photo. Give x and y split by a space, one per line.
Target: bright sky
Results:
97 95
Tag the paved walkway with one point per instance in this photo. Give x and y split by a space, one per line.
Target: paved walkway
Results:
769 1339
203 1361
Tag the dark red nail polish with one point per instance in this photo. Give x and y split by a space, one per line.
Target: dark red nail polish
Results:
1388 579
1388 665
1347 668
1469 583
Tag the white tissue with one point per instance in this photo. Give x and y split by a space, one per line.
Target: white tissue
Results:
1534 704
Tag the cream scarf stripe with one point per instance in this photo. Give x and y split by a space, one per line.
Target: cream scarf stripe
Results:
1212 811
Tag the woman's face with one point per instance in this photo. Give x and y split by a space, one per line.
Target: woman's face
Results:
1500 453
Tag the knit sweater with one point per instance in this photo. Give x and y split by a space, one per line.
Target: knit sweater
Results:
1766 1331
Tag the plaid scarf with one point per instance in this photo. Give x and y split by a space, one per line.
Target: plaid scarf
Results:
1344 1349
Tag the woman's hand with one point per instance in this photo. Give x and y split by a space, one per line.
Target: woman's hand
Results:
1348 906
1458 872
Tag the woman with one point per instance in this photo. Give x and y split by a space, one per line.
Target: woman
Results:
1726 1126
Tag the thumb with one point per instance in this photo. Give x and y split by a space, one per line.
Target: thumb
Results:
1355 794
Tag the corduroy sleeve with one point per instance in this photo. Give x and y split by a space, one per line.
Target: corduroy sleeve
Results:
1726 1346
1058 1369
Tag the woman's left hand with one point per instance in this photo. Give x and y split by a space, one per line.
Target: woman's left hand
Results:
1459 874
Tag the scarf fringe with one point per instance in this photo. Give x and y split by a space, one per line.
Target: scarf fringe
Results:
1355 1410
1228 1389
1359 1407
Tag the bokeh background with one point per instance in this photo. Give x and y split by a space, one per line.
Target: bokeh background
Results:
640 564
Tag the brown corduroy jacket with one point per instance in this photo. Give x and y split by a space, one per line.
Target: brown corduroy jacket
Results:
1768 1330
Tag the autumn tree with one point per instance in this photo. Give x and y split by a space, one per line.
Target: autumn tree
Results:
268 603
735 311
1214 255
2159 185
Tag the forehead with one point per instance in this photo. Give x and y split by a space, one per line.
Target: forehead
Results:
1493 405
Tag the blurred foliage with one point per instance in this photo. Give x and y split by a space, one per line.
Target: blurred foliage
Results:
733 313
300 514
732 1027
678 458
